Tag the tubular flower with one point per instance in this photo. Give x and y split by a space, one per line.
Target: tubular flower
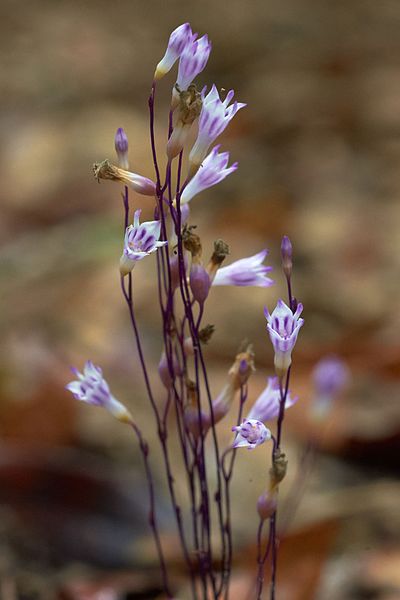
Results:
140 241
192 61
266 407
179 38
251 433
245 272
283 327
91 387
213 169
214 118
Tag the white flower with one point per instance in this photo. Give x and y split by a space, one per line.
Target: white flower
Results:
245 272
283 327
213 169
214 118
91 387
140 241
251 433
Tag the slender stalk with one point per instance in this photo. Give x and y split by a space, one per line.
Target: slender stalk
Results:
144 448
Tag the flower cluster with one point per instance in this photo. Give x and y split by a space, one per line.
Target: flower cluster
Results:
182 389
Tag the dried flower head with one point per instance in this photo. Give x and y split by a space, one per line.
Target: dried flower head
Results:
141 185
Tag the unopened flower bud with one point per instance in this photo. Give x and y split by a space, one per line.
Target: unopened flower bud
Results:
199 282
121 148
192 417
164 370
188 347
286 253
179 38
267 503
142 185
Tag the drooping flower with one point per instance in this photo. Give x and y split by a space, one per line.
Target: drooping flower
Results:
177 42
251 433
193 60
121 148
266 407
141 185
283 327
330 376
214 118
141 239
245 272
91 387
213 169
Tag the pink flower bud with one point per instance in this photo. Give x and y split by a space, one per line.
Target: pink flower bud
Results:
267 504
199 283
121 148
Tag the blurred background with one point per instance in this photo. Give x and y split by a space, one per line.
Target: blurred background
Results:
319 153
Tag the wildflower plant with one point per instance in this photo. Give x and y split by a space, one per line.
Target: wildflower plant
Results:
187 408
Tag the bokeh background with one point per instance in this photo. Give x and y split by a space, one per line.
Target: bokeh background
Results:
319 153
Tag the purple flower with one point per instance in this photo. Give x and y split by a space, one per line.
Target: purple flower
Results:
330 376
192 61
214 117
91 387
283 327
213 169
266 407
245 272
286 254
140 241
121 148
179 38
251 433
